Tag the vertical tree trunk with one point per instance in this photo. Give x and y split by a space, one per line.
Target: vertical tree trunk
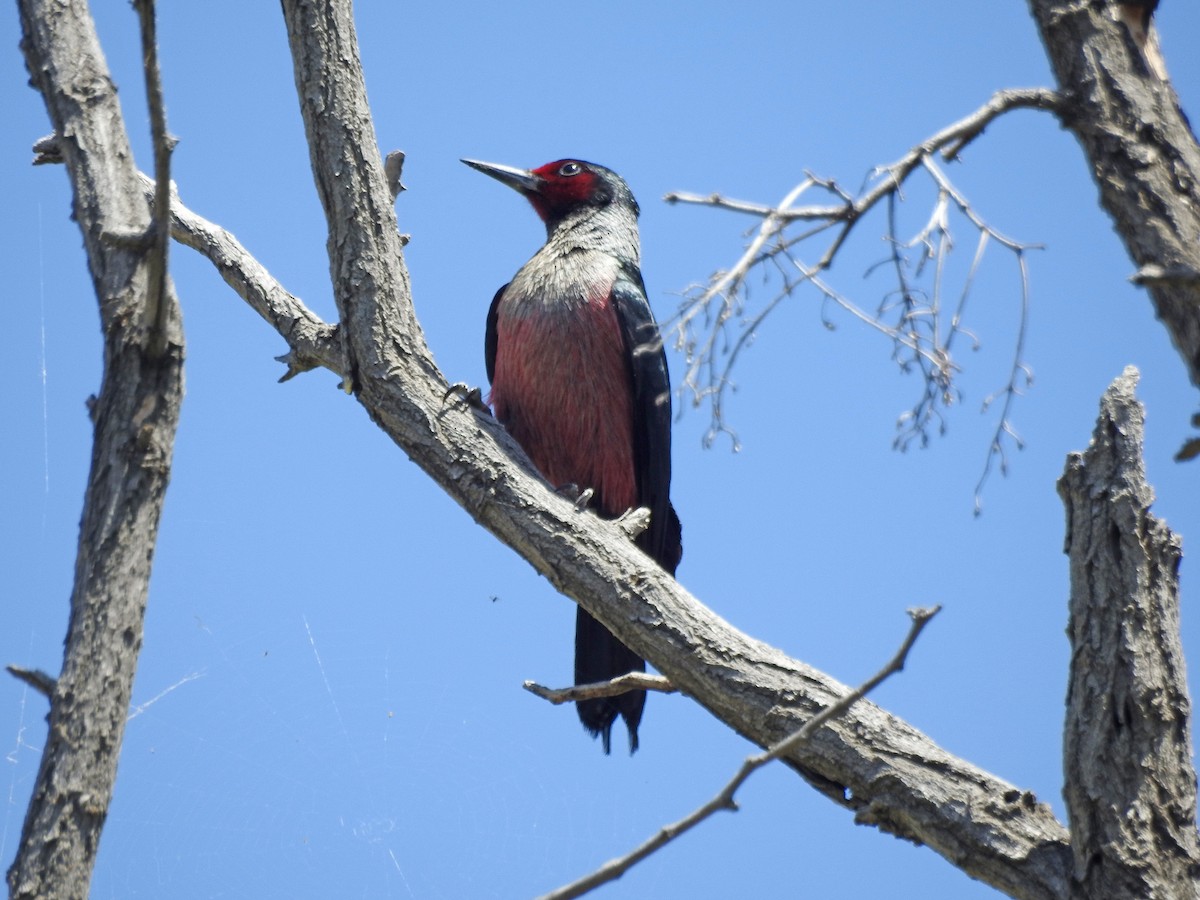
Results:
135 417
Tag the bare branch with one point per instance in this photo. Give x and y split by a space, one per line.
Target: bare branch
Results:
724 800
370 279
622 684
1141 151
1130 782
950 141
784 212
883 770
35 678
135 415
160 229
313 342
889 774
911 317
1020 376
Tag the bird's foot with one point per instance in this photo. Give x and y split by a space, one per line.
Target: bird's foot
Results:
464 393
581 498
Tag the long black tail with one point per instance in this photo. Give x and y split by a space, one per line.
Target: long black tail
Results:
599 656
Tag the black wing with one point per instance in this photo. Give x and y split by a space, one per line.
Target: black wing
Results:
651 417
489 336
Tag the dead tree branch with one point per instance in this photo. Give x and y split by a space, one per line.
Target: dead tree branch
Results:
159 236
724 800
715 322
1141 151
874 764
312 342
889 774
594 562
35 678
135 418
871 762
1130 782
614 687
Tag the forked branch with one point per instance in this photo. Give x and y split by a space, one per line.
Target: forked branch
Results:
311 341
716 321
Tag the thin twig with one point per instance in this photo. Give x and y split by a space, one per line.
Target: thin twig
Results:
950 141
785 212
724 800
160 228
35 678
914 317
622 684
1019 372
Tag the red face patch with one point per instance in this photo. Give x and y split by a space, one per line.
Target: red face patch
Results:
565 184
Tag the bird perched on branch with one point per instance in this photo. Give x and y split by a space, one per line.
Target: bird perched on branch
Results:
579 378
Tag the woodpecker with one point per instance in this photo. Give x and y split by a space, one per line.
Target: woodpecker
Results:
579 378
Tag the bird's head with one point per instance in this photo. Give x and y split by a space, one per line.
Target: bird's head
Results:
560 189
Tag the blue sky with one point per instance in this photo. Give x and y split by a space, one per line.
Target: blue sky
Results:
328 702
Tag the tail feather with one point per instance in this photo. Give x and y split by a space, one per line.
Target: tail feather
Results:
599 656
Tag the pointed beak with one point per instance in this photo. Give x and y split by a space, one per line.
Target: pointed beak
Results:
518 179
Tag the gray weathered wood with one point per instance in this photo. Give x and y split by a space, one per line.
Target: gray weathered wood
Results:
135 416
890 774
1139 148
1130 784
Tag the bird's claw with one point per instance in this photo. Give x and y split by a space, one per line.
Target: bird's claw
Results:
581 498
464 393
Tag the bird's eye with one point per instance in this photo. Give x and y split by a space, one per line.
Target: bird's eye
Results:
571 168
